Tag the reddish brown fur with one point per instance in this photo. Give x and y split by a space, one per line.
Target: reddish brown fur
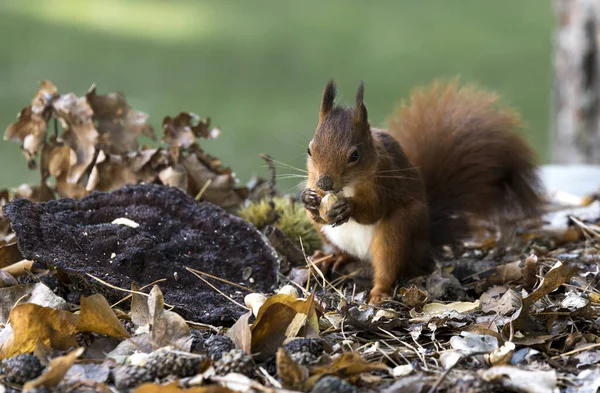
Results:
471 159
459 156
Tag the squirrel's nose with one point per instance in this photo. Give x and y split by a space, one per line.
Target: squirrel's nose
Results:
325 183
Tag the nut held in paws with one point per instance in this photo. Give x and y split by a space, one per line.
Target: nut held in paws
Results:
326 202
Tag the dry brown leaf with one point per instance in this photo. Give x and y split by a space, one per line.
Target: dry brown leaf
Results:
347 366
20 268
30 128
241 334
413 296
80 134
174 387
292 374
109 173
201 168
439 310
505 303
558 275
118 124
504 274
272 325
112 171
97 316
57 369
502 355
182 131
167 327
39 193
4 223
38 294
56 159
31 323
513 378
9 254
174 176
9 296
523 319
140 314
7 279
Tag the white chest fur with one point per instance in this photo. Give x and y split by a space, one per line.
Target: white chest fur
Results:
353 238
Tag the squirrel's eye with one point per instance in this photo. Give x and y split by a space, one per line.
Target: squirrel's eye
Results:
308 151
353 156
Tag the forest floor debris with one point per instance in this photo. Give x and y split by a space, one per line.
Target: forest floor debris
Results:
80 311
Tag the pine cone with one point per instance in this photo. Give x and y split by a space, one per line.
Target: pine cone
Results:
85 339
128 325
130 376
165 362
330 384
235 361
305 351
198 341
217 345
21 368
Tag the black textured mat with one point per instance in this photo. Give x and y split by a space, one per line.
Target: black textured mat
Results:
174 232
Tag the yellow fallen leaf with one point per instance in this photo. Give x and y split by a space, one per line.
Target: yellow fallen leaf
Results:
348 366
278 320
174 387
31 323
97 316
438 309
57 369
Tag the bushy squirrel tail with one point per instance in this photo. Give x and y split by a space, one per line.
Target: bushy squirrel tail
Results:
472 161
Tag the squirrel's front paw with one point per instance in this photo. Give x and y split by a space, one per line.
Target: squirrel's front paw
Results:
339 213
310 199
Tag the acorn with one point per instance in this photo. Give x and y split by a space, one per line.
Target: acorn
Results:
326 203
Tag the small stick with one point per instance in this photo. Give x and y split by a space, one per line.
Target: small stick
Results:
144 287
217 289
439 381
272 183
123 289
203 190
218 279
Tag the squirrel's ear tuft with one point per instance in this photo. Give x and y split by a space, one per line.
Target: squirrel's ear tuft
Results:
360 112
327 101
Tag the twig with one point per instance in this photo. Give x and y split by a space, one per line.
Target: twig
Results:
218 279
272 175
439 381
583 349
203 189
144 287
203 326
124 290
216 289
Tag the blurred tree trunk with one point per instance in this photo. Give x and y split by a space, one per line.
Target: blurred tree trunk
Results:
576 114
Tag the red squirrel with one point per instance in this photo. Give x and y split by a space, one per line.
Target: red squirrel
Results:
450 156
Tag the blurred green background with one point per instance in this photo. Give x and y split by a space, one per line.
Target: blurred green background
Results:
257 68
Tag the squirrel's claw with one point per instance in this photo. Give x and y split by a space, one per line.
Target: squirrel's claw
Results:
339 212
310 199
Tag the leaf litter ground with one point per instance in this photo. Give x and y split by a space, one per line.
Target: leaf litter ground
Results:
167 285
